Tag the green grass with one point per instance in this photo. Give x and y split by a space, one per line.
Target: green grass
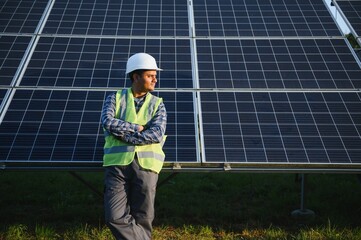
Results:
54 205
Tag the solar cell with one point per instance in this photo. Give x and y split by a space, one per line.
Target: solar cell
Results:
283 63
63 127
11 53
267 128
100 62
352 12
263 18
2 95
126 18
21 16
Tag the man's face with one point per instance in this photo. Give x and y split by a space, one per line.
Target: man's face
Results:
146 81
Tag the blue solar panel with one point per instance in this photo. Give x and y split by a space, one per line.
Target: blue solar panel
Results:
127 18
96 62
21 16
63 127
303 128
11 53
285 64
46 126
263 18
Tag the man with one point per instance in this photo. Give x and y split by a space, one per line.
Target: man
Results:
134 124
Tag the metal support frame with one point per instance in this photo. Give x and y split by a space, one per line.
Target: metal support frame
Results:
167 179
87 184
303 213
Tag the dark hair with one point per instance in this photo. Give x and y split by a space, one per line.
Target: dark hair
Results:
138 71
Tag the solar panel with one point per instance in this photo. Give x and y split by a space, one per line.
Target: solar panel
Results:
352 13
127 18
11 53
263 18
100 62
281 63
45 125
297 128
21 16
63 127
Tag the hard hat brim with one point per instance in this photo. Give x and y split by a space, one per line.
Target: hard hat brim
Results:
156 69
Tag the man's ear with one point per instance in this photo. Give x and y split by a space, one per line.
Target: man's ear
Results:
136 77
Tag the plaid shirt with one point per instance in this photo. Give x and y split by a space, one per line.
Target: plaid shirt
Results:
153 131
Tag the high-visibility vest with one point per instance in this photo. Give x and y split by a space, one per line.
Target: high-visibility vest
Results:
117 152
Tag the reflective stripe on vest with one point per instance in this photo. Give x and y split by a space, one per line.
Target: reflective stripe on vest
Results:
117 152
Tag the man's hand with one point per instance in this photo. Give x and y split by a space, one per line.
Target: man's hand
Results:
141 128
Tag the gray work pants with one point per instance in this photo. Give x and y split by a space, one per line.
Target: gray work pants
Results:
129 201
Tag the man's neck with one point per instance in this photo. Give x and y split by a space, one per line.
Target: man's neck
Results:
138 94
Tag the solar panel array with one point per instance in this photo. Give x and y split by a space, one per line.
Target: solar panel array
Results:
247 84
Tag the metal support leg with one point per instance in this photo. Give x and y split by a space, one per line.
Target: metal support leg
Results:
167 179
303 212
83 181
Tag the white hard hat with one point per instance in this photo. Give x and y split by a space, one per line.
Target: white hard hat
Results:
141 61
